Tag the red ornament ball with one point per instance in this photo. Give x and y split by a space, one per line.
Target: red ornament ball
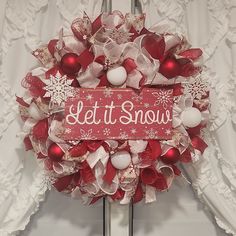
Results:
170 68
70 63
55 153
171 156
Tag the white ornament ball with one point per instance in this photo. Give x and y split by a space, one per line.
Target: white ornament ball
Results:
121 160
117 76
34 112
191 117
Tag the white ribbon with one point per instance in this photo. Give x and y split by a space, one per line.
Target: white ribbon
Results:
99 154
109 189
98 160
112 20
54 129
137 146
127 198
150 194
64 168
88 79
168 172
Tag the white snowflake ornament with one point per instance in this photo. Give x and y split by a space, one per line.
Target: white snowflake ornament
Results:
197 87
58 88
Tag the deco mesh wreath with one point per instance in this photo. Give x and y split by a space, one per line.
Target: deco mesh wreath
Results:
142 101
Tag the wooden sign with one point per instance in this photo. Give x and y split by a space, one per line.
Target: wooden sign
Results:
115 113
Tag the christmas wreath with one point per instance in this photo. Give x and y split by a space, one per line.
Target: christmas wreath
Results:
112 57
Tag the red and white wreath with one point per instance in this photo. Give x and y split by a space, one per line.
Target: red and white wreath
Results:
115 51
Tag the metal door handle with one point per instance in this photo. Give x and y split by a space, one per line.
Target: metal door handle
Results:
108 5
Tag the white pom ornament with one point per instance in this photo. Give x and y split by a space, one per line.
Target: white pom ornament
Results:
34 112
191 117
121 160
117 76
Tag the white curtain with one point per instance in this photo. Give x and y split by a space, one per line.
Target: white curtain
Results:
210 24
24 25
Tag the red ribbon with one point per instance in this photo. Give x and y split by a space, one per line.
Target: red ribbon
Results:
77 178
63 182
148 175
134 33
176 170
138 195
198 144
155 149
187 68
155 45
34 84
160 183
22 102
100 59
103 81
145 31
192 53
83 147
40 130
110 172
118 195
87 174
85 58
97 24
195 130
95 199
93 145
152 152
152 177
40 155
75 83
27 143
106 147
78 150
52 46
186 156
177 89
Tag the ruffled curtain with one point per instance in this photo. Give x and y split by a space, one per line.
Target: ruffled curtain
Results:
211 24
24 25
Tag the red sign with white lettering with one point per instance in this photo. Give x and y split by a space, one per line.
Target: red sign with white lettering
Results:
119 113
